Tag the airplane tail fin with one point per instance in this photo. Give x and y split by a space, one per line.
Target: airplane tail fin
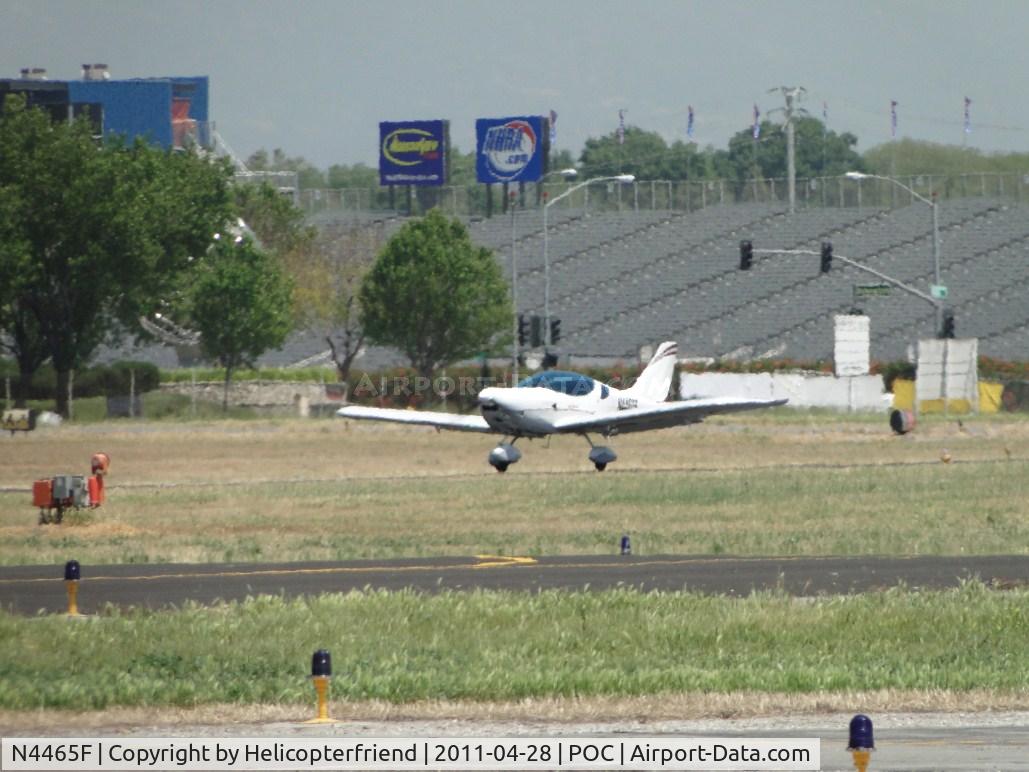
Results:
656 378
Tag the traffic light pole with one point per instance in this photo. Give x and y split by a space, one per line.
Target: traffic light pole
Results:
936 304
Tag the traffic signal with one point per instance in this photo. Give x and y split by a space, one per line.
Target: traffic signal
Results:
826 256
523 330
555 331
948 324
746 255
536 329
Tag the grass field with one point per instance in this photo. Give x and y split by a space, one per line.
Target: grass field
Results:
782 484
494 646
777 483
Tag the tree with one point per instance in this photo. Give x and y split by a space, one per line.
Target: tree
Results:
434 295
277 223
642 154
913 157
240 305
327 285
93 235
819 153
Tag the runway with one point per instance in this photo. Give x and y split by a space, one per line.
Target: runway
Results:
35 589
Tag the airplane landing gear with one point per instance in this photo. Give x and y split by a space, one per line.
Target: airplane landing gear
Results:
601 455
502 456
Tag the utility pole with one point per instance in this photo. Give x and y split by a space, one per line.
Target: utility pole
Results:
792 95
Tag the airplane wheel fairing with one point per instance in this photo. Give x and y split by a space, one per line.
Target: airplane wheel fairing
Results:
502 456
601 457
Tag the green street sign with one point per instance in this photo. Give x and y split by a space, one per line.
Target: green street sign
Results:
872 290
938 291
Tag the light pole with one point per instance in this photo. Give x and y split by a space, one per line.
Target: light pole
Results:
623 178
514 297
931 203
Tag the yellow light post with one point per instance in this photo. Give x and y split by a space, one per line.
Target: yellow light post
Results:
321 673
72 574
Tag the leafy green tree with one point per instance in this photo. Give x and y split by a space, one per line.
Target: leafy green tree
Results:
911 157
434 295
643 154
92 237
819 153
240 305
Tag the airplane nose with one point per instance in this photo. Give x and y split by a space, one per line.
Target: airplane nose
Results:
488 396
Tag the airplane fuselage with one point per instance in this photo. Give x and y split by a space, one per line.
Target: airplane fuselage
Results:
533 411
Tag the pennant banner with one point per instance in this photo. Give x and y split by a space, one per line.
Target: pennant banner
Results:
689 122
621 127
757 122
893 118
553 127
968 116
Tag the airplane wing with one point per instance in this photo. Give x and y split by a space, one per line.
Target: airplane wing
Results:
662 416
463 423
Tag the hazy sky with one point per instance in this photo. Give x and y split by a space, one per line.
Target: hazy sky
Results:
315 77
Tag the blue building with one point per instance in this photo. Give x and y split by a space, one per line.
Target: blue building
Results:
170 112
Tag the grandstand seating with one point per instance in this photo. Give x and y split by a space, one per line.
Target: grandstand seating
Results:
621 280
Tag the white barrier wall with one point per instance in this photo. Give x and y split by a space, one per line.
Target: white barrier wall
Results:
861 392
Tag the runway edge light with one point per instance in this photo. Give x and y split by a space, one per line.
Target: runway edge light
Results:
72 574
861 741
321 672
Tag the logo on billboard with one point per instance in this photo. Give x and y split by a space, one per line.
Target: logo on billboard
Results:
412 153
509 149
409 147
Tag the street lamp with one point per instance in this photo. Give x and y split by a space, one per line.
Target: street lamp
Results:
623 178
931 203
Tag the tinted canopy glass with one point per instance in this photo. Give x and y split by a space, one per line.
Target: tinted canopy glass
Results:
574 384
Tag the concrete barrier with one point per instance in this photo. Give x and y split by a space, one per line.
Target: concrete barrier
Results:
851 393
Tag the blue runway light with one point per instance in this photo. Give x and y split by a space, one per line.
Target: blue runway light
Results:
72 571
321 664
861 733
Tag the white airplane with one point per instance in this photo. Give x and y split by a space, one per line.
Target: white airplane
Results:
559 402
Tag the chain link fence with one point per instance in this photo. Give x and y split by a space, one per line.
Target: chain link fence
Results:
663 195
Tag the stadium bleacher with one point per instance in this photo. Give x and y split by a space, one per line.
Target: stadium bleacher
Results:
621 280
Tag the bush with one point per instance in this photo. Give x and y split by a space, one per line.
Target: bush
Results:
101 381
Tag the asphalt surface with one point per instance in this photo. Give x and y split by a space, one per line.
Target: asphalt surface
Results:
31 589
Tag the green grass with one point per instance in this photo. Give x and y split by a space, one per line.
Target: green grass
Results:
403 647
930 509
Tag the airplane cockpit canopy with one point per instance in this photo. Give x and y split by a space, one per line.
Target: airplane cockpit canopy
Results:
573 384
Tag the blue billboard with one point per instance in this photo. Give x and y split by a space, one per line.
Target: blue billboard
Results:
509 149
413 153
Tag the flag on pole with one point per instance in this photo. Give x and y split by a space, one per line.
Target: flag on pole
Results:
553 127
968 116
893 118
689 121
757 122
621 127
